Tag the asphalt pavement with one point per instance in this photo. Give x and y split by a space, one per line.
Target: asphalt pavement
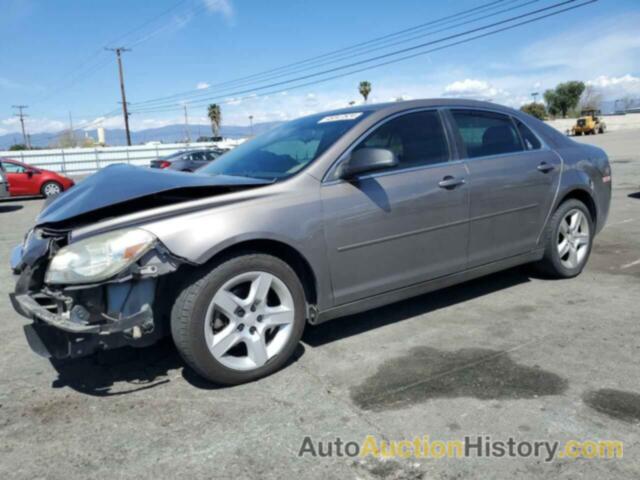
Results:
510 355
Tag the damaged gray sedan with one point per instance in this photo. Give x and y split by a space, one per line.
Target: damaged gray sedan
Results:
322 217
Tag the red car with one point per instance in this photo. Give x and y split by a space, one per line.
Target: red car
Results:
25 180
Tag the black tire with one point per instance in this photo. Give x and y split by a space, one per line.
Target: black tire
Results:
43 189
189 312
551 263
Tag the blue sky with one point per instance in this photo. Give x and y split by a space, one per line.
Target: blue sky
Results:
52 58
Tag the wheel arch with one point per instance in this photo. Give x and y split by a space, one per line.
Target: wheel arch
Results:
285 252
583 196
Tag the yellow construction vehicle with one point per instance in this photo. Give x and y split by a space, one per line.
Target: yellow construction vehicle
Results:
589 123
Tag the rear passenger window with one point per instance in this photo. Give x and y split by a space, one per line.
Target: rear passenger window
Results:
486 133
416 139
531 142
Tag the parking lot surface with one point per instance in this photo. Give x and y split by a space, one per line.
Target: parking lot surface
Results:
510 355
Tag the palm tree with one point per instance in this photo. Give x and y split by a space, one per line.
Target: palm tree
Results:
365 90
215 115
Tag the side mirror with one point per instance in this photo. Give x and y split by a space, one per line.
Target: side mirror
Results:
30 173
367 160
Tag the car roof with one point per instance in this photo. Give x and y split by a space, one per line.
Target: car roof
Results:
421 103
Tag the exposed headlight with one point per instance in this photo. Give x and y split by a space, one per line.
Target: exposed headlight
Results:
98 258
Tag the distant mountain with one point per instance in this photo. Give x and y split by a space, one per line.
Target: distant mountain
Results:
168 134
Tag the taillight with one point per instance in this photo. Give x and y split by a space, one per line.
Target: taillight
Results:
165 164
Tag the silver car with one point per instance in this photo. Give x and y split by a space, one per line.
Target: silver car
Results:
4 184
319 218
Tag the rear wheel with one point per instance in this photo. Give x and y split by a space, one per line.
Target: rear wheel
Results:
51 189
568 240
241 320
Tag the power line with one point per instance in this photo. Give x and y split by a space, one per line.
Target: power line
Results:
388 55
378 57
96 62
460 42
87 123
361 52
21 115
119 51
344 52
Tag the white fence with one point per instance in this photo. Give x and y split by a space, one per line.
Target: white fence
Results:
88 160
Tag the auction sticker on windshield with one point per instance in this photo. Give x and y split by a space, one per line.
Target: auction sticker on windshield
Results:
340 118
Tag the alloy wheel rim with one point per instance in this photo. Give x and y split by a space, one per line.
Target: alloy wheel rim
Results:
249 320
51 189
573 239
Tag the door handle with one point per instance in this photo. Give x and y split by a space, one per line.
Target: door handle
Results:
545 167
450 182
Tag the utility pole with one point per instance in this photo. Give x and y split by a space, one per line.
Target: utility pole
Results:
72 137
186 123
119 51
535 97
21 115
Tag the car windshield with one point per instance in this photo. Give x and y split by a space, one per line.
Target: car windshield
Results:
285 150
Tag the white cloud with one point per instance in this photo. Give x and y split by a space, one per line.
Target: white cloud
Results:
223 7
33 125
472 88
616 87
135 123
202 86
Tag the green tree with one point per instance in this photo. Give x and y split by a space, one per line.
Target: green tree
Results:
17 147
535 109
564 97
365 89
215 116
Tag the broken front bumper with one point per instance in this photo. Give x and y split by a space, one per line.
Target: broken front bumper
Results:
79 320
28 307
74 332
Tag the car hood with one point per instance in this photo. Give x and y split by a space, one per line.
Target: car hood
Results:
120 189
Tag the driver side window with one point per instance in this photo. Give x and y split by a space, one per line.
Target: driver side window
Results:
13 168
416 139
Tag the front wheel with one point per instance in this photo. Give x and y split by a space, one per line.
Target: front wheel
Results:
567 240
51 189
240 320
